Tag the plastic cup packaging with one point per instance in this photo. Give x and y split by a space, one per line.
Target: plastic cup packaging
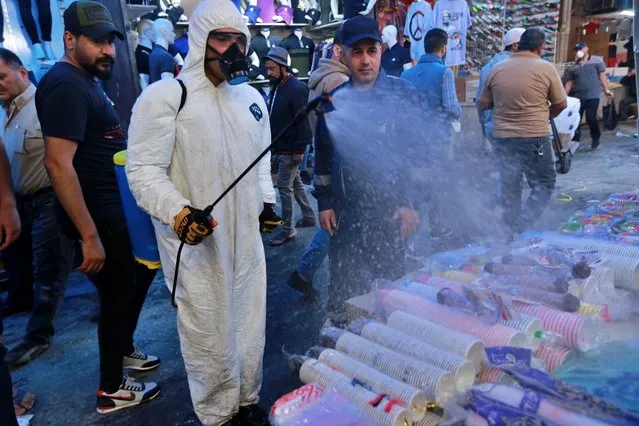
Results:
554 357
313 371
437 335
494 375
530 326
438 383
460 367
411 397
626 270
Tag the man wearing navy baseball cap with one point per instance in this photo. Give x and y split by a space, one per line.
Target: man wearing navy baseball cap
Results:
363 181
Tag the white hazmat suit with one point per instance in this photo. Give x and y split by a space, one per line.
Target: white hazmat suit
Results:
189 158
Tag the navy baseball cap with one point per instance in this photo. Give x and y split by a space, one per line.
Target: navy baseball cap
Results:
91 19
580 45
359 28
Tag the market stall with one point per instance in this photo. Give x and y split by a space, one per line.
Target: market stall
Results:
488 329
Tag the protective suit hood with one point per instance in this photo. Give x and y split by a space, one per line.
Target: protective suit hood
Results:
209 15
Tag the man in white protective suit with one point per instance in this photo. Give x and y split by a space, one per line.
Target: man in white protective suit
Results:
179 160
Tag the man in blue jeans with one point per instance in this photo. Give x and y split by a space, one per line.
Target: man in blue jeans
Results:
519 91
52 252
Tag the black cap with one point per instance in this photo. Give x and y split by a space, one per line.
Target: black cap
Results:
91 19
359 28
580 45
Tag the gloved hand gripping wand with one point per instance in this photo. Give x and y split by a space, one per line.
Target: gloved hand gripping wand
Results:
320 105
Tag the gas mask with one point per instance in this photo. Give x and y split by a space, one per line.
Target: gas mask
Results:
233 63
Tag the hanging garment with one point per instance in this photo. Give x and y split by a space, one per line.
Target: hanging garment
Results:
189 158
419 20
267 10
301 52
454 17
44 19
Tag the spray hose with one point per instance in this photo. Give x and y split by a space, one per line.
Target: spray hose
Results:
320 105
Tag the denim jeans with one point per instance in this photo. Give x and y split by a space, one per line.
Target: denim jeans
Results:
532 158
290 185
315 254
52 257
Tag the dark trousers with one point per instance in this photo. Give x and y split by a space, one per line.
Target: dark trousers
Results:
46 263
589 107
122 284
7 413
44 18
362 249
532 158
624 107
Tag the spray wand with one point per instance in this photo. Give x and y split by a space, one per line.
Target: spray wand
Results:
322 104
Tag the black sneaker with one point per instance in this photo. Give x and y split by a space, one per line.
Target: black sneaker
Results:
299 283
24 353
129 394
440 233
250 415
594 144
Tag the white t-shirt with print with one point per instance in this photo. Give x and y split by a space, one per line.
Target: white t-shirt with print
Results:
453 16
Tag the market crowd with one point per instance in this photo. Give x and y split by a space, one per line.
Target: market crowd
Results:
190 137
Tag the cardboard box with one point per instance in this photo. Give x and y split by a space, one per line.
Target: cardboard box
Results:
466 88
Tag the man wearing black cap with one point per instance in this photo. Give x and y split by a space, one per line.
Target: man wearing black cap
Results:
288 96
363 182
82 133
583 80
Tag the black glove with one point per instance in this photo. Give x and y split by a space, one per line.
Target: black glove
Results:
268 219
191 226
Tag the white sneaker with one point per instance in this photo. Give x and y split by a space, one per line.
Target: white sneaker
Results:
138 360
131 393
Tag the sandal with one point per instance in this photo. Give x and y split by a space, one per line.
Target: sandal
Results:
23 401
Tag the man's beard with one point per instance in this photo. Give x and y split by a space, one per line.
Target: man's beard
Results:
101 73
275 81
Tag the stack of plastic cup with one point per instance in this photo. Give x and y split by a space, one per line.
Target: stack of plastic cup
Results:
494 375
418 289
626 270
530 326
459 276
462 344
385 413
438 383
440 283
490 335
598 288
554 357
411 397
584 243
579 332
429 419
460 367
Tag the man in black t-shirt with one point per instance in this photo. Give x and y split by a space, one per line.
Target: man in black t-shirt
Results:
82 133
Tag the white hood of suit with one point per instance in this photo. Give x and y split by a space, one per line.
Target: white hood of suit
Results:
209 15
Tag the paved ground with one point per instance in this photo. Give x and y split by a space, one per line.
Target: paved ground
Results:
65 377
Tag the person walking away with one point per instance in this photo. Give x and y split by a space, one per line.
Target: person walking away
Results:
583 81
79 161
511 45
288 96
368 211
330 74
9 232
519 91
630 82
52 252
178 162
435 81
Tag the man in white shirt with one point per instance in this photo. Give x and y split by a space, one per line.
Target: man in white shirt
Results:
52 252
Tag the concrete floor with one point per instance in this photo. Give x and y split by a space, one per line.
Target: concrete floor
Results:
65 377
